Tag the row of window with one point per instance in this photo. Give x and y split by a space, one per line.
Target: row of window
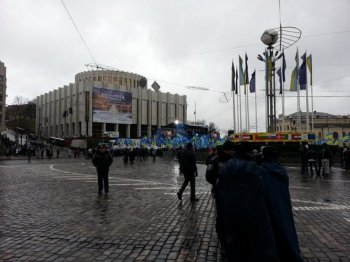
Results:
120 80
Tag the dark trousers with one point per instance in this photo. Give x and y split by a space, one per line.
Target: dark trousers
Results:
312 166
189 179
102 177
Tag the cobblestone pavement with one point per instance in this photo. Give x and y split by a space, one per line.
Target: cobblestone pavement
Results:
50 211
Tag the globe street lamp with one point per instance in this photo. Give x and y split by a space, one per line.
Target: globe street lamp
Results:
269 38
281 38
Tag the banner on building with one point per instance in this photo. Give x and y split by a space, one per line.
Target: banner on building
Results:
111 106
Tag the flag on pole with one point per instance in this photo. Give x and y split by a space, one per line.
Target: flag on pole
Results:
284 66
252 83
309 65
241 74
233 82
236 82
246 70
294 77
303 73
279 73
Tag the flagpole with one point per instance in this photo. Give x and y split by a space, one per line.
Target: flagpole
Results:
283 108
312 109
237 106
266 106
307 109
240 110
234 111
298 106
256 114
248 112
307 99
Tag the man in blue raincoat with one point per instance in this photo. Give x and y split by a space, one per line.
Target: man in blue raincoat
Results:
279 207
243 223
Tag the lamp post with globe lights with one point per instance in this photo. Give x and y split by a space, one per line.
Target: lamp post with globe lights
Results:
279 38
269 38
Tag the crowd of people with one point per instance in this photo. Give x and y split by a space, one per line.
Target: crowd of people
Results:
254 212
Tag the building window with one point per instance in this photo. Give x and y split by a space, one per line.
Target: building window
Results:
115 79
109 79
125 81
99 78
120 81
104 78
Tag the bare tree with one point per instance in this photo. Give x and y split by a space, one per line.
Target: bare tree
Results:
20 100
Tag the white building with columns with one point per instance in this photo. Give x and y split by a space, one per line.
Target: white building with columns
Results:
72 110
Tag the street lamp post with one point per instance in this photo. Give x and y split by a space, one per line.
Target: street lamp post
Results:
269 38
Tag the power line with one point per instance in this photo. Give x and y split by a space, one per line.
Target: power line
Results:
81 37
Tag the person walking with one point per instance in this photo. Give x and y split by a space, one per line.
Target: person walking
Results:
102 161
188 166
279 206
243 225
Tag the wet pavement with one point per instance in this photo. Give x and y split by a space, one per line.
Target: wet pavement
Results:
51 211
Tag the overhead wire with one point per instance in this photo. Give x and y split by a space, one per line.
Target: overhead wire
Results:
81 36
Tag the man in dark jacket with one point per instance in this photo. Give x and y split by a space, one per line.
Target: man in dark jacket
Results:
218 158
188 167
243 224
279 207
102 160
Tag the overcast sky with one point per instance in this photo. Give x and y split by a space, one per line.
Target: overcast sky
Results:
177 43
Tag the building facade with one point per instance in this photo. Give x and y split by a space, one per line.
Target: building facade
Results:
2 95
71 110
324 124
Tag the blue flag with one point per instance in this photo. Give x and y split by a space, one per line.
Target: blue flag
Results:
303 73
241 74
279 73
252 83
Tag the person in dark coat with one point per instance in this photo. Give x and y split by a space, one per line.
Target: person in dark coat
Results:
311 158
243 224
102 161
188 167
220 156
279 207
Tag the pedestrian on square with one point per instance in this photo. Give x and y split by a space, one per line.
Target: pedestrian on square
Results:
326 160
279 207
243 223
311 158
189 169
102 161
303 160
58 153
217 159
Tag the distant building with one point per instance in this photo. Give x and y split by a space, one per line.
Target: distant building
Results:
2 95
324 123
106 102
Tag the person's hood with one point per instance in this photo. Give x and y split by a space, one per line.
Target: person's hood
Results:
275 169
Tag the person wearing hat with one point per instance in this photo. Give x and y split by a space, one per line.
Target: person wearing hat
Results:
189 169
220 157
102 161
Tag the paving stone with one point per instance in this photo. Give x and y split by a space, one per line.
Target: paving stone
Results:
53 213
